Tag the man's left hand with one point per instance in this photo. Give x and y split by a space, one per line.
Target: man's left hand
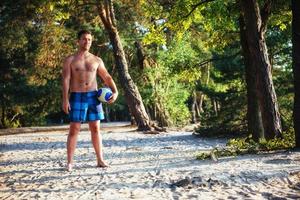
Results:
113 98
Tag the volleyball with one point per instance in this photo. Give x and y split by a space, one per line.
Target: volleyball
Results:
104 94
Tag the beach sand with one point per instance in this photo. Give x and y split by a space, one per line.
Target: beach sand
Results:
163 166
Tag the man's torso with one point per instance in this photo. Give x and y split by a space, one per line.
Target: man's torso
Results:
83 73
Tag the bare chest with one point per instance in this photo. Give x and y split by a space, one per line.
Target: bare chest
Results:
79 66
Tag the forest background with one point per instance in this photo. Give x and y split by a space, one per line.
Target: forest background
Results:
189 61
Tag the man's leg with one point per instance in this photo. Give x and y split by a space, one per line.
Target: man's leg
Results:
97 142
71 143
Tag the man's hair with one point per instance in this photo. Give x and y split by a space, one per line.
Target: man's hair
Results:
82 32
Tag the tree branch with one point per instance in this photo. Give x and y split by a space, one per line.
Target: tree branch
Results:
107 11
216 59
196 6
12 119
265 13
102 14
112 13
86 4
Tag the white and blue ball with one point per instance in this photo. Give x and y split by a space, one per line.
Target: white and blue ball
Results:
104 94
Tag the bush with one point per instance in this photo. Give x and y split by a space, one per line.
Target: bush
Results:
168 96
247 145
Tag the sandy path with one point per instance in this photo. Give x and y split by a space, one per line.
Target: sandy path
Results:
142 167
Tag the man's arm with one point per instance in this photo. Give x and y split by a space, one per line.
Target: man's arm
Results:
66 77
108 80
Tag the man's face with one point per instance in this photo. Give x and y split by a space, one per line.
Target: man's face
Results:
85 42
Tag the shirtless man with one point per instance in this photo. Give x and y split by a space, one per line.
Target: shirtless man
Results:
79 95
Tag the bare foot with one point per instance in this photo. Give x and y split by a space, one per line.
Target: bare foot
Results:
69 167
102 164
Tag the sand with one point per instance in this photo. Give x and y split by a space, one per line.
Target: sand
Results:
32 166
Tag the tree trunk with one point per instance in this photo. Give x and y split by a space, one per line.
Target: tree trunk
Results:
194 107
162 117
3 116
254 120
107 112
296 67
200 103
255 24
141 57
132 95
214 103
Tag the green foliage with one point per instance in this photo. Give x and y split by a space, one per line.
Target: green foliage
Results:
180 57
171 81
223 17
288 141
212 28
227 89
187 52
167 95
155 36
32 47
216 153
246 145
203 155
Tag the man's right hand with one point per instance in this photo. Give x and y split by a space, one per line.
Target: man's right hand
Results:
66 106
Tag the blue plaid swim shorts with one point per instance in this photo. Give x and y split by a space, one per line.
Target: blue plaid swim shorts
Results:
85 106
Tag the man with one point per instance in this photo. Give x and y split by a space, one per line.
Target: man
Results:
79 79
